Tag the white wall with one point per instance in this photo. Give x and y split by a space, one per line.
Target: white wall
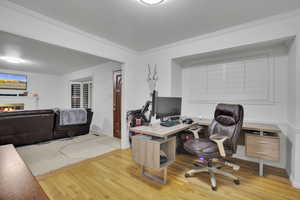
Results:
176 79
47 86
292 84
102 76
293 112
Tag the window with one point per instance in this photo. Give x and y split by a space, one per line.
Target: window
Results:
246 80
75 95
81 94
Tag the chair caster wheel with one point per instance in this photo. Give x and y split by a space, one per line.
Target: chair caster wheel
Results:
237 182
214 188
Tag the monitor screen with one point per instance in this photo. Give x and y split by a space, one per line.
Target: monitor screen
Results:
168 106
13 81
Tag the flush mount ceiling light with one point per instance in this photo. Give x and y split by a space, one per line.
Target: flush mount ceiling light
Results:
13 60
151 2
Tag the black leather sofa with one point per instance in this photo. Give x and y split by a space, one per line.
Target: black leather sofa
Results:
34 126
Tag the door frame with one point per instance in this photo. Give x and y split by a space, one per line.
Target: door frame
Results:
115 73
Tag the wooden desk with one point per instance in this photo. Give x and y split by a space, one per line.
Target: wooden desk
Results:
256 145
161 131
248 126
16 181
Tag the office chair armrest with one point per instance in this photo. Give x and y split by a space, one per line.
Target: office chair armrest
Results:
219 139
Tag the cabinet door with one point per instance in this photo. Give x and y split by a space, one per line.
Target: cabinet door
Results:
263 147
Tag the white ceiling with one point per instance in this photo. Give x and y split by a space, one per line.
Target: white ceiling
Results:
141 27
43 57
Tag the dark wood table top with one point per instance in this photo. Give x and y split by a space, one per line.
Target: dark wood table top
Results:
16 180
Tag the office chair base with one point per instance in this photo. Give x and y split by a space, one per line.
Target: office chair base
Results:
212 172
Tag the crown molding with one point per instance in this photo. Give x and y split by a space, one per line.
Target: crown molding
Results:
12 6
252 24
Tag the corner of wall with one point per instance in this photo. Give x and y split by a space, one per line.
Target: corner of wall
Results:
295 183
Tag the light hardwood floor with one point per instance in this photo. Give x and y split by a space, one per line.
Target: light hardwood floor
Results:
114 176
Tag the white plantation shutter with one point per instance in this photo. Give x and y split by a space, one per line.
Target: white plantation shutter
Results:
85 96
246 80
90 94
75 95
81 95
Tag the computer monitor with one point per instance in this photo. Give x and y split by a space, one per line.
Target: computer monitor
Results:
167 107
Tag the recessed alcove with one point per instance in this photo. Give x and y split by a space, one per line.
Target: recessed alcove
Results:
256 76
253 75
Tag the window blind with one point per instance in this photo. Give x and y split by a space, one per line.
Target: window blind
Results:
243 80
85 96
75 95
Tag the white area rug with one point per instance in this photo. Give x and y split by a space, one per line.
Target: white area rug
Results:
45 157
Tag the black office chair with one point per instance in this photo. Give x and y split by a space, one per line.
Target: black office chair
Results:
223 135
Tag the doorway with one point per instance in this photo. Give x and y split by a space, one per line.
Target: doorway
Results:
117 102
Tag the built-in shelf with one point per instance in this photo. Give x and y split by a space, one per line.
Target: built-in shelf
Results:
146 151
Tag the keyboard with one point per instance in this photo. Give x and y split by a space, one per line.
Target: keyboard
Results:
169 123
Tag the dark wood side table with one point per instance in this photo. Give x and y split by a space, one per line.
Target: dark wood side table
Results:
16 180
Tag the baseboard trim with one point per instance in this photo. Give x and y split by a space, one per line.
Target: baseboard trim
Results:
271 169
267 168
295 183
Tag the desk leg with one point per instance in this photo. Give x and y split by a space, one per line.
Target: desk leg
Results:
142 169
165 175
261 167
155 178
261 162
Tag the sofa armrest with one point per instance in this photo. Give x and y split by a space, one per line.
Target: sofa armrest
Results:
219 139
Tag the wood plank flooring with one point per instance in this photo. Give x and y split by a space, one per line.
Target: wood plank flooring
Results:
114 176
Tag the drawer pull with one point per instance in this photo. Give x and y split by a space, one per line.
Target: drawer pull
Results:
262 153
260 142
266 142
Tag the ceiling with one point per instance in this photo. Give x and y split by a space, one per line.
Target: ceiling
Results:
140 27
43 57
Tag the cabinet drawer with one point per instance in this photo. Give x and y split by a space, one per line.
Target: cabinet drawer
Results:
263 147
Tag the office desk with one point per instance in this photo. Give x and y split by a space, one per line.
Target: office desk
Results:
161 131
257 145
